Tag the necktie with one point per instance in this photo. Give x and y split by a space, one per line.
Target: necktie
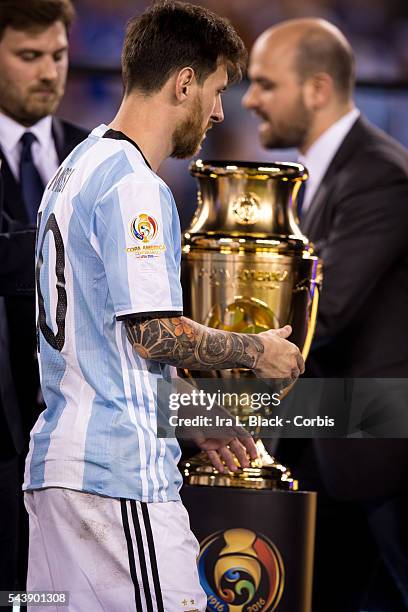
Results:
300 200
32 187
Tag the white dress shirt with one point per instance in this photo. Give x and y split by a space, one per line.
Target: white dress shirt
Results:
319 156
43 150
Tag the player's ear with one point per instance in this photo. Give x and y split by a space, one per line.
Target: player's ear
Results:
184 82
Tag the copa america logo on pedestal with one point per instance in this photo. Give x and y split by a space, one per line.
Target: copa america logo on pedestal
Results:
241 571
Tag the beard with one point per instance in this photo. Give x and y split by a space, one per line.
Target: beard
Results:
288 131
189 134
29 108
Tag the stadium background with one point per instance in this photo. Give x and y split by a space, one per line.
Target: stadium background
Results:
377 30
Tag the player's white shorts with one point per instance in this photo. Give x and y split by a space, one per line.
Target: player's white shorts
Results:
111 554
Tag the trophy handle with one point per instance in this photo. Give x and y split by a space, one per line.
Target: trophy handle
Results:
312 321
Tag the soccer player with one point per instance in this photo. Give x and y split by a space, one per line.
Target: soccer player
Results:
102 490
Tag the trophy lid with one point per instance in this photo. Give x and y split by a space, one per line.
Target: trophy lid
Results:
253 169
248 200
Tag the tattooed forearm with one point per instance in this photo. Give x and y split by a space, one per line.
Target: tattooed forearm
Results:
187 344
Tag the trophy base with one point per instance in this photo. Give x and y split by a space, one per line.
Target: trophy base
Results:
263 473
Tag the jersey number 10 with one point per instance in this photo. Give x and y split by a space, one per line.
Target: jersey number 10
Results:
55 340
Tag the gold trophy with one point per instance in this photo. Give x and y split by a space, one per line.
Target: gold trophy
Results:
247 268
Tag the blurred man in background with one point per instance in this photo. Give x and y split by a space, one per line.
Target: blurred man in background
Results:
33 70
355 211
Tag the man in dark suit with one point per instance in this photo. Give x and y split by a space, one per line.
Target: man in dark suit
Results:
355 211
33 69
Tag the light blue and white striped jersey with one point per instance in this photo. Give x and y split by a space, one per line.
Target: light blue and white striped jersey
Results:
108 245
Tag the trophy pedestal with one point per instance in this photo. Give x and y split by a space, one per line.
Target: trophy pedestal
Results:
256 547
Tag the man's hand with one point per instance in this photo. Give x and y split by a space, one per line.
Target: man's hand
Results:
280 359
241 448
221 443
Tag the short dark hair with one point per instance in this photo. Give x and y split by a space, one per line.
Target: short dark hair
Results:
171 35
26 14
321 51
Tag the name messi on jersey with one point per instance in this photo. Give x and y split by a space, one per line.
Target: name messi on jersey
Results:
60 180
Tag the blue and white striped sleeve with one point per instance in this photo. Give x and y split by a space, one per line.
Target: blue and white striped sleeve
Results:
133 227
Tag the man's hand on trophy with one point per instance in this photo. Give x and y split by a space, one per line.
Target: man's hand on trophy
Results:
227 453
280 358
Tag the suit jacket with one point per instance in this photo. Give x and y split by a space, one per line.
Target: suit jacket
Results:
17 313
358 221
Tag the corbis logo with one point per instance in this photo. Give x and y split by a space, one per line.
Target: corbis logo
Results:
241 571
144 228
